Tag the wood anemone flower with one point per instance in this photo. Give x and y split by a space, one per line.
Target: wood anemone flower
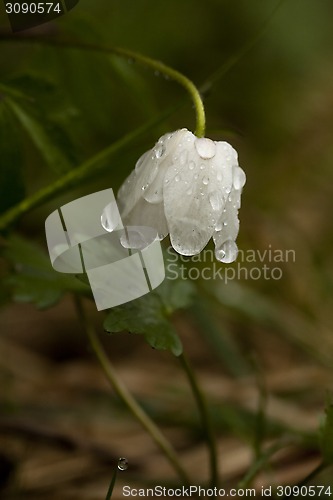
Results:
189 188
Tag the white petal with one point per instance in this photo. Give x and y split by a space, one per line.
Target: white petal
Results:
146 214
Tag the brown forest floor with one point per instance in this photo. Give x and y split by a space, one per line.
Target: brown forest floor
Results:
62 429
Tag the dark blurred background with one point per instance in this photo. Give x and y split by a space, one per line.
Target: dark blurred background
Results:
262 347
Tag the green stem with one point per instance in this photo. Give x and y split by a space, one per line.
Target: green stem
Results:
73 178
157 66
112 483
127 398
262 462
205 419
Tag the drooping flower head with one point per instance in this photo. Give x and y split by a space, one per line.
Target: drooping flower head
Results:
190 188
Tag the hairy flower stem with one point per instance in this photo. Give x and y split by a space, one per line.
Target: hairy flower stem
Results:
127 398
205 419
157 66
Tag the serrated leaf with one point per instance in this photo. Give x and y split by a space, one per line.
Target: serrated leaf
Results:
326 433
146 316
150 315
11 180
33 278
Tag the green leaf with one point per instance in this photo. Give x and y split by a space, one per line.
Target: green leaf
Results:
11 180
146 316
150 315
33 278
326 433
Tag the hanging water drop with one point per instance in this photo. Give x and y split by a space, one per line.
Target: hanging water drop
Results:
227 252
122 464
239 177
110 218
206 148
133 239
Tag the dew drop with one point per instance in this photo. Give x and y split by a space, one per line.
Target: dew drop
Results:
159 150
110 217
218 226
215 201
177 178
133 239
202 166
239 177
144 187
122 464
225 224
227 252
183 157
205 181
191 165
206 148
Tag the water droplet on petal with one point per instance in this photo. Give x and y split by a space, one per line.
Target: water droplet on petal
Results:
110 218
239 177
205 181
177 178
133 239
191 165
202 166
206 148
218 226
122 464
144 187
159 150
183 157
227 252
215 201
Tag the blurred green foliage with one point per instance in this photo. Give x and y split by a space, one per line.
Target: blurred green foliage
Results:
59 107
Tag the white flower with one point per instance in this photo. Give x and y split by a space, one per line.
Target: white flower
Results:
190 188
